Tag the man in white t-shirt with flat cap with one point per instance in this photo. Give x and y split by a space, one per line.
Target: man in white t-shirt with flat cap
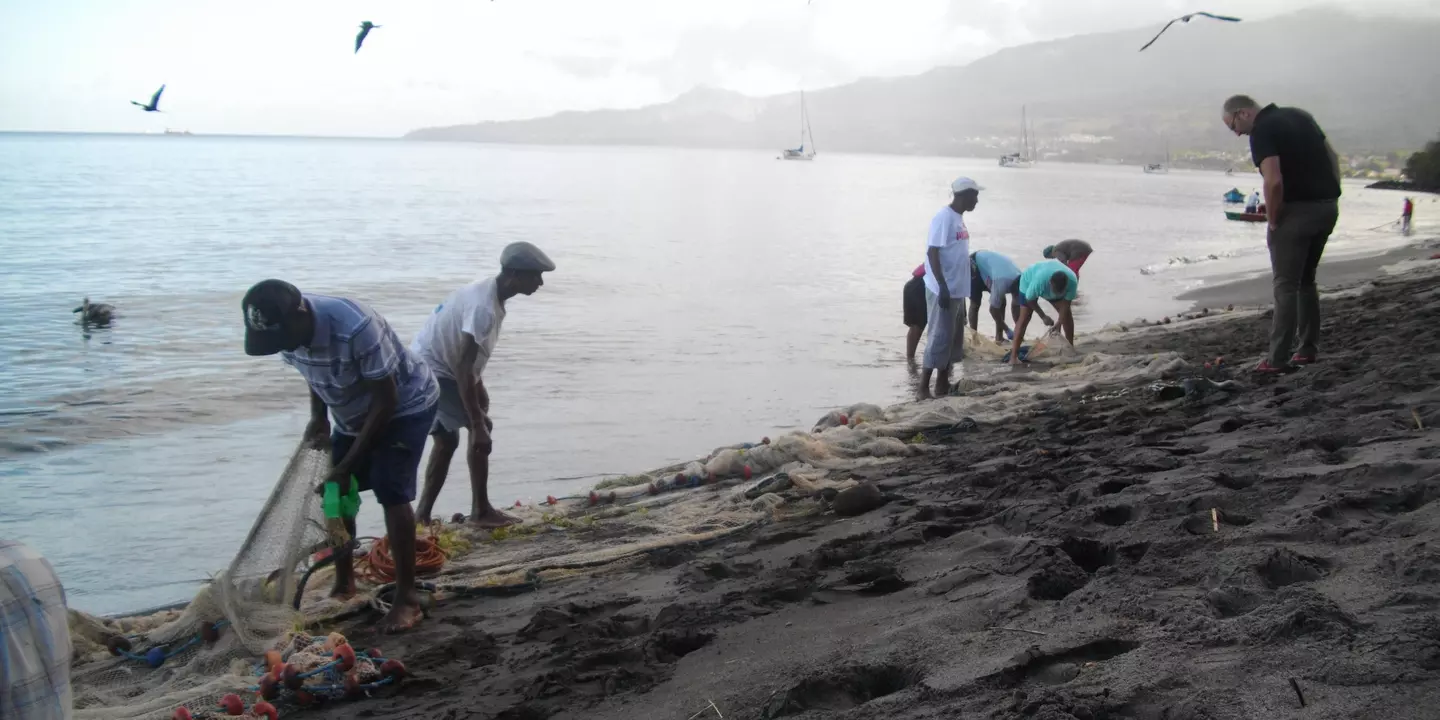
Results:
456 343
947 285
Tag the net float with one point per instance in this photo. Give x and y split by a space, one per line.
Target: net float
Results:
118 644
291 677
182 713
232 704
392 669
264 709
345 655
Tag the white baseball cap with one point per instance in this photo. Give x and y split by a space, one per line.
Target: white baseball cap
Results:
962 184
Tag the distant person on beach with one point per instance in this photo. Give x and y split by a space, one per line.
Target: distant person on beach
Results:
1302 192
1252 205
382 397
456 343
1045 280
914 311
947 284
1000 276
34 638
1073 253
1406 211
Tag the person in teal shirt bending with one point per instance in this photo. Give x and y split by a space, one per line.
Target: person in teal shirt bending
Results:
1051 280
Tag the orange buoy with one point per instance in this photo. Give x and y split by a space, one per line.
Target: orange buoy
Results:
844 419
265 710
392 669
232 704
291 677
209 633
747 472
594 498
353 690
269 686
517 504
345 655
374 653
274 662
305 698
182 713
550 500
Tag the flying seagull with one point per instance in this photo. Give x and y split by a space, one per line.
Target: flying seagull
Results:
154 105
365 28
1186 19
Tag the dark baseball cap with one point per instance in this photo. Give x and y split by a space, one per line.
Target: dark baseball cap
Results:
267 306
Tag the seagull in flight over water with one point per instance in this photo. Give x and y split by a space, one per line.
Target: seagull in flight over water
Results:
154 105
365 28
1186 19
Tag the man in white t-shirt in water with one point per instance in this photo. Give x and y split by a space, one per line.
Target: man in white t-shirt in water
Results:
947 285
456 342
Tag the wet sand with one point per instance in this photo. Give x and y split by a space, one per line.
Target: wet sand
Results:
1109 554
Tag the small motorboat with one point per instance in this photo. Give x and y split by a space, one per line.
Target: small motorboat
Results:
1234 196
1245 216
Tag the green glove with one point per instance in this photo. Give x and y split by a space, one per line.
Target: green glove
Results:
338 506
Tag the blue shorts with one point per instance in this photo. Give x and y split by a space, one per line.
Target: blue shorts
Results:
389 470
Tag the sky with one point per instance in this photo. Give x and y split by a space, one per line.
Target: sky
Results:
287 67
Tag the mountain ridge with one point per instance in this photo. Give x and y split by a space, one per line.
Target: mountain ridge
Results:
1373 83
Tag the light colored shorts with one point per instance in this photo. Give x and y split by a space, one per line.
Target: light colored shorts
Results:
946 345
450 412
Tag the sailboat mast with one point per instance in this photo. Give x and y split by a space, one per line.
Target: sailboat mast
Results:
808 132
1024 135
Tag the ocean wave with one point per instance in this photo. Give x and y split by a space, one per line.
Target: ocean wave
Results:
1182 261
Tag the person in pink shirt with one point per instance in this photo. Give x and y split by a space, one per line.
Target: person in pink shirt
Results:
915 315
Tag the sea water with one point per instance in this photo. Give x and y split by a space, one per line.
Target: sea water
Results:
701 298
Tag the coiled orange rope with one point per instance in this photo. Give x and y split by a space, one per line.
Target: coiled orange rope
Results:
377 567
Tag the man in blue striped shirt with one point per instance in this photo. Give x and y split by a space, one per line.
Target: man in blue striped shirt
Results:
383 399
34 638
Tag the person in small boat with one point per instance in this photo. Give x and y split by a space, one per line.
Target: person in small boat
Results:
99 314
1252 204
1072 253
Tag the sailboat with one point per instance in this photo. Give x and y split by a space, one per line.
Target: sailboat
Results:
803 152
1160 168
1022 159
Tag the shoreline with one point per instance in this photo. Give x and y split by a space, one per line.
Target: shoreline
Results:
1096 552
1254 289
1063 543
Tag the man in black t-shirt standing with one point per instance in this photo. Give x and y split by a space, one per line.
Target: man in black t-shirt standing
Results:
1302 191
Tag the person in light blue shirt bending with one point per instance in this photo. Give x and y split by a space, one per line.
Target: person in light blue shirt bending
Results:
1000 276
1050 280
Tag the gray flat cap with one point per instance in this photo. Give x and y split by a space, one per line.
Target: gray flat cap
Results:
524 256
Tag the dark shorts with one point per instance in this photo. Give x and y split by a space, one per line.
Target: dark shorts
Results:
915 302
389 470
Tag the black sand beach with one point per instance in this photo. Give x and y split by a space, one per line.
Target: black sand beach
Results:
1109 554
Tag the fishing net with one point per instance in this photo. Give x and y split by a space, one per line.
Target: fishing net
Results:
635 519
169 663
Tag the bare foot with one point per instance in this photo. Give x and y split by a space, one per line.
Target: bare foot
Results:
343 592
923 393
492 518
402 617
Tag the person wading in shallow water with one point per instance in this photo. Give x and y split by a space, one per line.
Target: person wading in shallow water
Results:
383 399
947 285
1073 253
914 311
1302 203
456 343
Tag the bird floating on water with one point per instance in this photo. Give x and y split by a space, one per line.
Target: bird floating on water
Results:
154 105
1186 19
365 28
99 314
